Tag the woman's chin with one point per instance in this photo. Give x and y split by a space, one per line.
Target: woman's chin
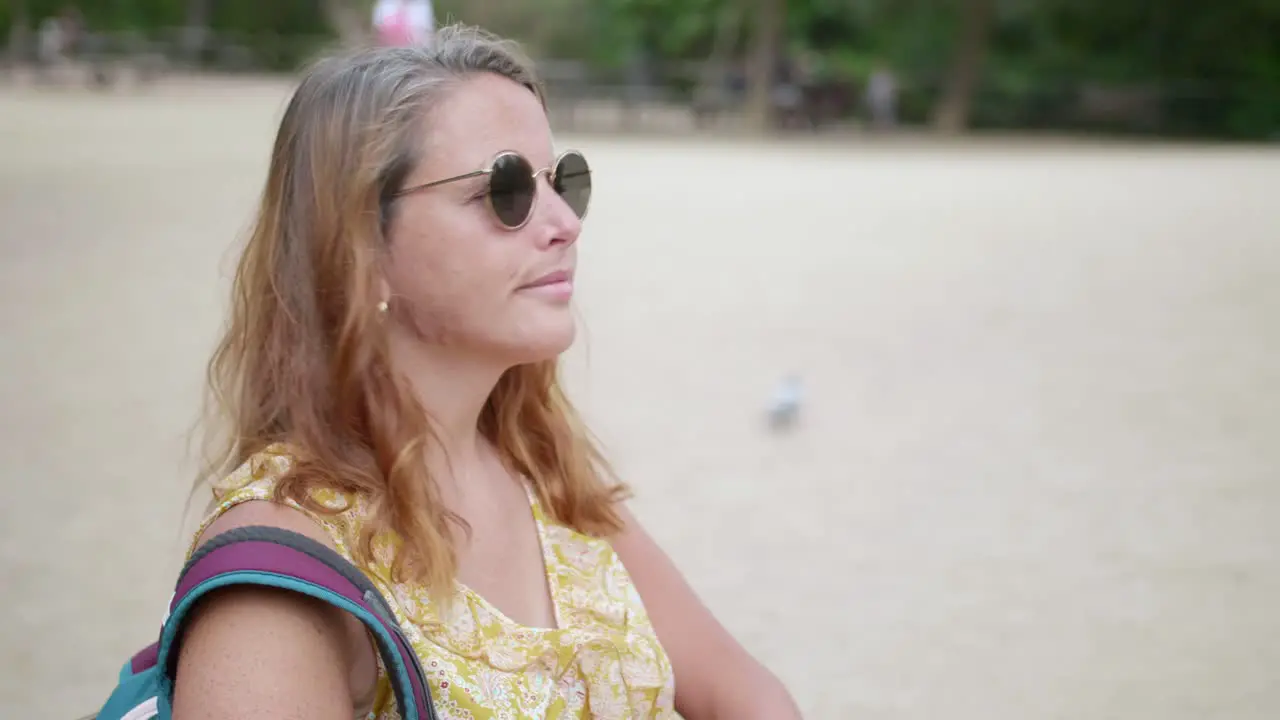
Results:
544 339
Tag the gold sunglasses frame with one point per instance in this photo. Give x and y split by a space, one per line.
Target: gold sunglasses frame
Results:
488 170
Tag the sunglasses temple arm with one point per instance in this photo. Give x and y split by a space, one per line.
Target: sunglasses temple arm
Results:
427 186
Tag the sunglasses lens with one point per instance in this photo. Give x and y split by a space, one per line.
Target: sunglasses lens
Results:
573 182
511 189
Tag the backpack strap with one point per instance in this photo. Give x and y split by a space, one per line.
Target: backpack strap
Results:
273 557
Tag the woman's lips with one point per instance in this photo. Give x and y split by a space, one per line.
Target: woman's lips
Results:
556 285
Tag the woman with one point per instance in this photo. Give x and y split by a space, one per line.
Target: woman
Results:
390 375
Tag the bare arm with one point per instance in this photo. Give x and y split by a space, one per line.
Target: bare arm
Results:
715 676
258 653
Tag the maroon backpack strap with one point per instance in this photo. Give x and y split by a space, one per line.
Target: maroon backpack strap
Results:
273 557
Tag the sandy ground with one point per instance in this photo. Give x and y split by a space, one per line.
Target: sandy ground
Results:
1036 475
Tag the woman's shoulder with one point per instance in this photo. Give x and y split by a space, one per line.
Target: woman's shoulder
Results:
258 475
227 632
257 479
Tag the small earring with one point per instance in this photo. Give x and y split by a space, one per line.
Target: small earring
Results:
382 308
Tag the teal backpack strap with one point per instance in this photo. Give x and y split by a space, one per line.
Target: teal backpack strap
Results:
271 557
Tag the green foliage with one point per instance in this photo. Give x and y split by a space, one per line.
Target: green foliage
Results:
1215 67
672 31
279 34
281 17
290 17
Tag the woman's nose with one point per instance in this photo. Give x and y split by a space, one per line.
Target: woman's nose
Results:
560 224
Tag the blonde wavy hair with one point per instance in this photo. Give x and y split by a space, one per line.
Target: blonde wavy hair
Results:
304 361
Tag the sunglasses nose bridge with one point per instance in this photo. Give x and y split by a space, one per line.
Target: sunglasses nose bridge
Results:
550 199
550 174
539 196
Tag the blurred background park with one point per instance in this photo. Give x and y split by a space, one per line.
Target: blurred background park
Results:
1014 263
1173 68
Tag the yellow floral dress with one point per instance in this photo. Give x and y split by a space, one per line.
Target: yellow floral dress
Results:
602 660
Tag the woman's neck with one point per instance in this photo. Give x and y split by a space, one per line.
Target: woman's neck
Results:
453 390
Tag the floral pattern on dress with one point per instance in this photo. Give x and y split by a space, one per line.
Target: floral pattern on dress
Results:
602 661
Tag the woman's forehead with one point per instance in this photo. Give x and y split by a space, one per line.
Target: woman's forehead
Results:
482 117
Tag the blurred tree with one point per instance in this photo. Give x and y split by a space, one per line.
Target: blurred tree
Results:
195 36
953 109
19 30
767 28
350 20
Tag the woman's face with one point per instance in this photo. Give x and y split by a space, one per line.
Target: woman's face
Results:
457 276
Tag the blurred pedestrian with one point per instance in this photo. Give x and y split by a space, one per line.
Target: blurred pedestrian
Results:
882 98
58 40
403 22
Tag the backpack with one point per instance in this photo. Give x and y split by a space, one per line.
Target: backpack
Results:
277 558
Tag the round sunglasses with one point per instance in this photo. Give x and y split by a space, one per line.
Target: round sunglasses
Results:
513 185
